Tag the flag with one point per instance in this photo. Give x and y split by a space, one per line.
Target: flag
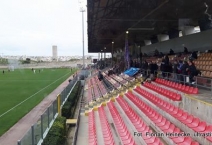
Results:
127 61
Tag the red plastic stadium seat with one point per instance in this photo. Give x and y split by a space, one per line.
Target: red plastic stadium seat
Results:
195 122
183 117
188 120
201 127
208 130
194 143
195 91
187 141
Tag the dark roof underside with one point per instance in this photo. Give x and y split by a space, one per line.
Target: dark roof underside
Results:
108 20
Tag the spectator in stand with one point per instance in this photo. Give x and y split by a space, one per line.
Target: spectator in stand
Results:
184 70
131 62
179 54
161 55
163 68
185 49
100 76
166 59
137 64
193 55
156 52
145 55
175 70
179 68
192 71
155 68
171 52
151 67
145 67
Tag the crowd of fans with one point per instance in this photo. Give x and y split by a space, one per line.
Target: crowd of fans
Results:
179 68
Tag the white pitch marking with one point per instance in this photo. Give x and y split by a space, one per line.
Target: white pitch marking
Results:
29 97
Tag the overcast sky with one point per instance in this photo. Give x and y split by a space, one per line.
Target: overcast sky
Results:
31 27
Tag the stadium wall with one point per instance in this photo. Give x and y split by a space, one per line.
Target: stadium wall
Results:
199 41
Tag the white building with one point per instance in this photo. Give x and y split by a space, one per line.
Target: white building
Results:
54 52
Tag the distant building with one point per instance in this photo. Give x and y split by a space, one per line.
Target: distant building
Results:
54 52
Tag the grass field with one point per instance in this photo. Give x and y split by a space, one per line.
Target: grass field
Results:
18 85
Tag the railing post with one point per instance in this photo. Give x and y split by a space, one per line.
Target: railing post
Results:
53 110
19 142
33 139
41 120
58 104
49 114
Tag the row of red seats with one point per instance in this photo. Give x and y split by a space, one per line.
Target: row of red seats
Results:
189 120
107 134
119 79
113 82
92 140
126 77
96 92
102 88
170 94
161 122
178 86
89 95
125 135
139 124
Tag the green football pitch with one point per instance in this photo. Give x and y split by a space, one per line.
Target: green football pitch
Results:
22 89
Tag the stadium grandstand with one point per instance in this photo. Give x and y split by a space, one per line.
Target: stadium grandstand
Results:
156 88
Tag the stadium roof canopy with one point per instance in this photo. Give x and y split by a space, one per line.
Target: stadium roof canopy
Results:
108 20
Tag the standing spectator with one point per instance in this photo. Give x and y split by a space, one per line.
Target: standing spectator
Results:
171 52
193 55
155 68
185 49
156 53
184 70
192 71
175 70
162 68
166 60
145 67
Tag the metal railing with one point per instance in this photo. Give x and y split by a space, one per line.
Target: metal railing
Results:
200 82
78 117
39 130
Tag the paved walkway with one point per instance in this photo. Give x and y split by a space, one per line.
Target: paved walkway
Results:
16 132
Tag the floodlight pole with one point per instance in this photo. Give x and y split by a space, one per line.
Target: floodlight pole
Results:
83 53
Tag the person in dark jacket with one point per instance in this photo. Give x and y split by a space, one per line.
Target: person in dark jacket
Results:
166 58
145 67
184 70
194 55
192 71
185 50
100 76
155 68
162 68
171 52
175 70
